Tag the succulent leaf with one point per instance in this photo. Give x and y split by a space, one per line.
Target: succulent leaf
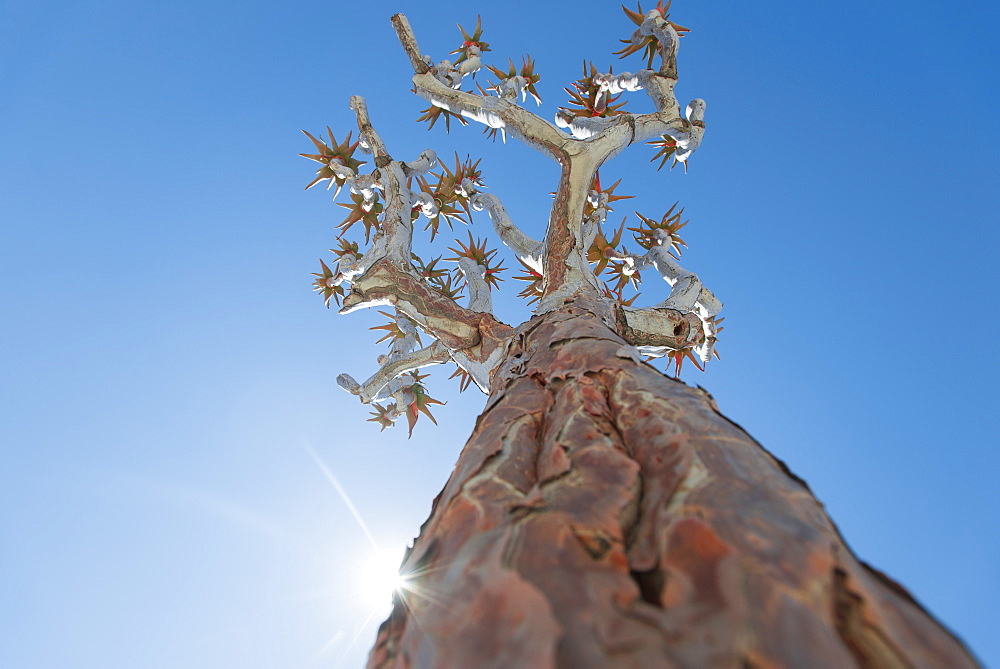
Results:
667 146
368 216
650 45
393 331
323 284
586 99
433 113
646 234
336 152
533 291
476 249
475 39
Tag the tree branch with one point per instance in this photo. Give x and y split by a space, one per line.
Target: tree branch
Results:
523 246
687 296
492 112
397 225
657 327
565 267
422 165
370 390
479 292
409 42
389 281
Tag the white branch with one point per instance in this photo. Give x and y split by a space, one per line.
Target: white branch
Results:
396 236
373 389
582 127
687 293
523 246
423 164
492 112
691 140
479 292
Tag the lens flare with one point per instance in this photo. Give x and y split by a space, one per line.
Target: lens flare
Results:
378 578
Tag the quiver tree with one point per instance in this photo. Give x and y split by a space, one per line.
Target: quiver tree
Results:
601 514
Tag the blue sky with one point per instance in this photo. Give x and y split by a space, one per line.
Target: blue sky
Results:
170 418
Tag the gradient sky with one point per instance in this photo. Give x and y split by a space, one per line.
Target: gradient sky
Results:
173 440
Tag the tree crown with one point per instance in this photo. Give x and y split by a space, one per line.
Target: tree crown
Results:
578 258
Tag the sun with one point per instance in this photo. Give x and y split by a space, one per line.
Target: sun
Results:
378 578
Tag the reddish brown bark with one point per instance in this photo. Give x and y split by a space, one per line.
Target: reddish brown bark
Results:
605 515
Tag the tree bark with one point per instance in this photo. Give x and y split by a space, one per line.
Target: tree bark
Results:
605 515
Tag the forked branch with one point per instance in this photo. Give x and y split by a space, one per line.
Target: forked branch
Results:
494 112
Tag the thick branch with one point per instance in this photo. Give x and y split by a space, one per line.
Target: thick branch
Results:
391 282
656 25
397 225
687 295
370 390
479 292
565 265
422 165
409 42
476 334
660 90
658 326
526 248
493 112
687 291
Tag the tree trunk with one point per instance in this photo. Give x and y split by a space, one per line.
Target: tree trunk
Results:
605 515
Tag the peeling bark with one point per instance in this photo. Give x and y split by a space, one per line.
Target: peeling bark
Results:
605 515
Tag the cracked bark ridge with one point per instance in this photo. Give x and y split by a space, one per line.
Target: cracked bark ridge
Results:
605 515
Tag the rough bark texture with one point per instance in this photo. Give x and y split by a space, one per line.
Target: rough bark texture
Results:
605 515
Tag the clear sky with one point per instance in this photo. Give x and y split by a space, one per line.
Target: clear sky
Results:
174 444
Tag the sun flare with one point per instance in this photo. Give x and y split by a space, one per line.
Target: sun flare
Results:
377 578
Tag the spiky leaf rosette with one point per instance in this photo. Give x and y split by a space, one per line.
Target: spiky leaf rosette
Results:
324 285
359 211
646 234
715 320
445 198
595 186
421 400
650 44
602 254
475 39
433 113
450 181
384 416
342 153
492 133
586 99
624 274
440 278
448 285
476 249
429 270
345 247
392 329
533 291
527 74
599 254
667 146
